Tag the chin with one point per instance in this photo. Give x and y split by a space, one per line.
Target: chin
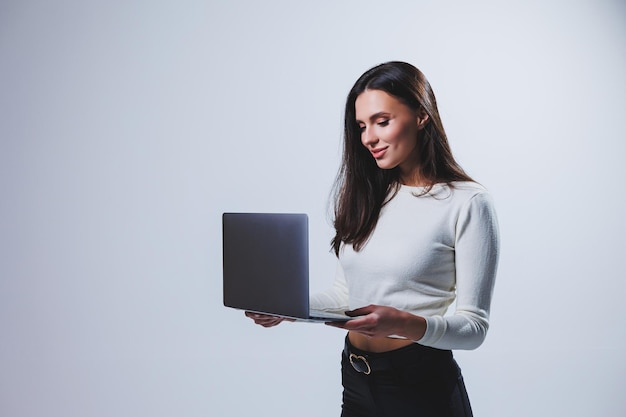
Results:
383 165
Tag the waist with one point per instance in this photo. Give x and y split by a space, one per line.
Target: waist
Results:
412 354
377 344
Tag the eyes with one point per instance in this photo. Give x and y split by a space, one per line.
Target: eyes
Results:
381 123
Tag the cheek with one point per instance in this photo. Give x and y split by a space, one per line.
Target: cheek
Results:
397 136
408 136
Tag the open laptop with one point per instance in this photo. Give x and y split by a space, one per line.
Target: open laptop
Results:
266 265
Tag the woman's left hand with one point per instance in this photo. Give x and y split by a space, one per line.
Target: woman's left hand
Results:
266 320
381 321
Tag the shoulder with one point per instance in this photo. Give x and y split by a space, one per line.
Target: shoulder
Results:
469 200
467 192
443 199
467 189
475 204
460 192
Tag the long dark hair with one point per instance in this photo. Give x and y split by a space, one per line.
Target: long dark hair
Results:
361 188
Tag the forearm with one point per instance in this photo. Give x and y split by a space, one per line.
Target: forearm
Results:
463 330
410 326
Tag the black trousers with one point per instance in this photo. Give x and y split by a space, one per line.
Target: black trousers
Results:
415 381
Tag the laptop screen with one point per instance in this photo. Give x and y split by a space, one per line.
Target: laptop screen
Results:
266 262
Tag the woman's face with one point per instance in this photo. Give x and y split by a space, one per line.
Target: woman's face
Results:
389 130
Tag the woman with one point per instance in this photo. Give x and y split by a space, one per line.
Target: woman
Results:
413 234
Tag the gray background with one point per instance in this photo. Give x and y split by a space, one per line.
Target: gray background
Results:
128 127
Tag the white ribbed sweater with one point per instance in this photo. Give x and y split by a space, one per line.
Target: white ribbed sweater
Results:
425 252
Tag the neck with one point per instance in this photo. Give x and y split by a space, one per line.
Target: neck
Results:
413 179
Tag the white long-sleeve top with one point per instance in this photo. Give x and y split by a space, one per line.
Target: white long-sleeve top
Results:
425 252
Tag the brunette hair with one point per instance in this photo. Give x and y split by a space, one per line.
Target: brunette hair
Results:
361 188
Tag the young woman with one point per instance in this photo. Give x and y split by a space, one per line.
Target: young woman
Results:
414 233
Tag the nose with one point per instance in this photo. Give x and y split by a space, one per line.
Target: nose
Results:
368 137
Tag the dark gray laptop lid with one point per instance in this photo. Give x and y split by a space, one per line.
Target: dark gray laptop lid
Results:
266 262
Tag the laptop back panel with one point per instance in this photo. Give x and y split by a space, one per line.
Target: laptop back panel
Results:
266 263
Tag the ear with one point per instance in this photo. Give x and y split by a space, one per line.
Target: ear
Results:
422 118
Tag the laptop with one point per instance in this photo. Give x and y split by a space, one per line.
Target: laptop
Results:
266 265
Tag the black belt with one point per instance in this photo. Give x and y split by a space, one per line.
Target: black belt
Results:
367 364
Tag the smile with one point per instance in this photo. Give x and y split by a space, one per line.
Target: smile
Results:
378 152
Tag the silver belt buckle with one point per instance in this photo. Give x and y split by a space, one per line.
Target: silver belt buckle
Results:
360 364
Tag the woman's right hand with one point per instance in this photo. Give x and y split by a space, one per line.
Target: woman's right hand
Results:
266 320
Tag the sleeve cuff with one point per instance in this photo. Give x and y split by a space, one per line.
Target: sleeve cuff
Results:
435 329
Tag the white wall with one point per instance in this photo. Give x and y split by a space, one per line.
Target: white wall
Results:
128 127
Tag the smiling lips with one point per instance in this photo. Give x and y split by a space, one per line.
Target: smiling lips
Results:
378 153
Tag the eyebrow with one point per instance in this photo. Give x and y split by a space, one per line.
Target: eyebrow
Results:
376 116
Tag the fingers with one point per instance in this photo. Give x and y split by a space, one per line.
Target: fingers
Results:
362 324
356 323
361 311
367 323
264 320
364 329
